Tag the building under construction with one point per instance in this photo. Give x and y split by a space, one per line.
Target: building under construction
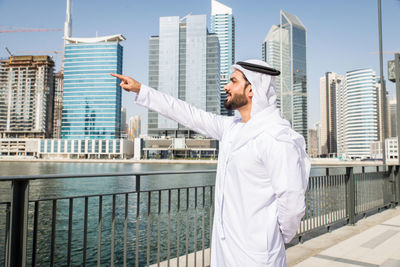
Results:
26 97
57 110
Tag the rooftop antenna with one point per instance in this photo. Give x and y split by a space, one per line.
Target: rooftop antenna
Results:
68 21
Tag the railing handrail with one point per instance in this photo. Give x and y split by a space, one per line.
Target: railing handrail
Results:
147 173
96 175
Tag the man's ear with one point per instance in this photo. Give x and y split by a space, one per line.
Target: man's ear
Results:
250 91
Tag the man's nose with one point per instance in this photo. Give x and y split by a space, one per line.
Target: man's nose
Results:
226 87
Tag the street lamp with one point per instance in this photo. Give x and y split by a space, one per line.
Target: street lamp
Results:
383 87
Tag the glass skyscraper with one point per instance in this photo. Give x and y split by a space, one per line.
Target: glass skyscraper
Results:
223 25
91 97
184 63
285 48
357 113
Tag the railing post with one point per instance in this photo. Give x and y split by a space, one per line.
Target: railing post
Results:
19 223
137 219
350 195
392 181
396 178
7 236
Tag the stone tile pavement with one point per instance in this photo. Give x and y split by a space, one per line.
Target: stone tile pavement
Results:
373 242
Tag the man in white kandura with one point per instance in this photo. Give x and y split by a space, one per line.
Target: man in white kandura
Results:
262 171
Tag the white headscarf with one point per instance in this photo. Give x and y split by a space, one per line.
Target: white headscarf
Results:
263 86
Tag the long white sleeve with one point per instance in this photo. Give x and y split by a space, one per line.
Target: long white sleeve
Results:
289 184
193 118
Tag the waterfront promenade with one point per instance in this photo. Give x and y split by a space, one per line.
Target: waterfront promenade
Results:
372 242
142 216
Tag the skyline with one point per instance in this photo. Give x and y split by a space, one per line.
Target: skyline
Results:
332 43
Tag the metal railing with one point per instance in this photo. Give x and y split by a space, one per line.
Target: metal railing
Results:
145 227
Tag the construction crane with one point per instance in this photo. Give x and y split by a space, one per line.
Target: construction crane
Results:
30 30
41 52
8 51
384 52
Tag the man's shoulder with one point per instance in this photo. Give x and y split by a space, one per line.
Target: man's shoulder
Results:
282 139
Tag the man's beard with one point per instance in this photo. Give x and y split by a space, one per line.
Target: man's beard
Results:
236 102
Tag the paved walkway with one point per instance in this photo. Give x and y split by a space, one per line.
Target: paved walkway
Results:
372 242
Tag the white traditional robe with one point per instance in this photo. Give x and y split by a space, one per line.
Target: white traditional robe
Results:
262 176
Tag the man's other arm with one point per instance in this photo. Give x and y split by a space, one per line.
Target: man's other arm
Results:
289 184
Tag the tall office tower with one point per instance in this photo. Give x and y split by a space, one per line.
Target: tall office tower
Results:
357 113
223 25
26 97
134 127
285 48
57 111
91 97
328 85
393 117
184 63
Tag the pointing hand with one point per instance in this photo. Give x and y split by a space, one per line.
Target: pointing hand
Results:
127 83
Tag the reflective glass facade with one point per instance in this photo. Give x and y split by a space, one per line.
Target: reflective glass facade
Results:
91 97
223 25
285 48
184 63
357 112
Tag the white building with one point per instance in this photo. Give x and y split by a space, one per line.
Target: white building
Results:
85 148
391 149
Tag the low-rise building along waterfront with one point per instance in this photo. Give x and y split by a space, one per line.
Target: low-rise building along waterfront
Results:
391 149
85 149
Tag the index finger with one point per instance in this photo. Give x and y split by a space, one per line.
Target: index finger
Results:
122 77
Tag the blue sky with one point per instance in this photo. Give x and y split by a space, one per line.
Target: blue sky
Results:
341 35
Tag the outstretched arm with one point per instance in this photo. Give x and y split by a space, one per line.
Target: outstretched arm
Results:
193 118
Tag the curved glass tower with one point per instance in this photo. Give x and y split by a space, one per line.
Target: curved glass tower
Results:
285 48
357 114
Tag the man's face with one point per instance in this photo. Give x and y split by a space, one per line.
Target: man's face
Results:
237 90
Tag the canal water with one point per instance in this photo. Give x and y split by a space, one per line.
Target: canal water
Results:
193 217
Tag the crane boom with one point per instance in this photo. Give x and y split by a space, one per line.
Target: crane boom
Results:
31 30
